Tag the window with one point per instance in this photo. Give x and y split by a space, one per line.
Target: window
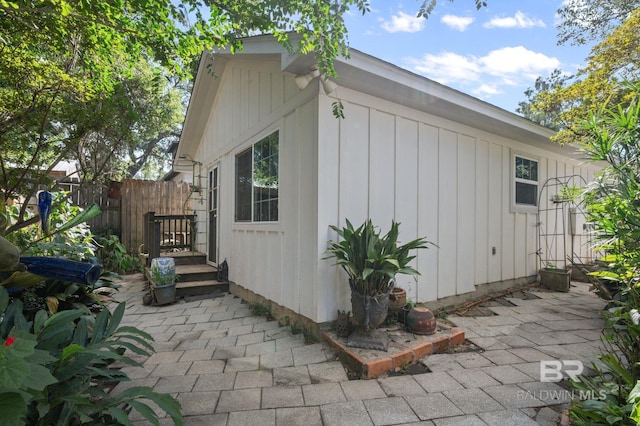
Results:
526 182
257 182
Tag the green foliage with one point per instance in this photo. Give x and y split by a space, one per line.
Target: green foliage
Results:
611 61
71 239
56 369
102 84
261 309
634 400
549 115
299 327
612 201
583 21
160 278
427 7
371 260
74 243
114 256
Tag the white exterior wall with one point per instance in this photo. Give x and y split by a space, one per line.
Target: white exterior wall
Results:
439 179
276 259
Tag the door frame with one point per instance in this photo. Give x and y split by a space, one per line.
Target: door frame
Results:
213 208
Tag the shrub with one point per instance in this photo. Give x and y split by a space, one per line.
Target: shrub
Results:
57 369
114 256
614 209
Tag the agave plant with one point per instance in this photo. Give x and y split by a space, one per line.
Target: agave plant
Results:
371 260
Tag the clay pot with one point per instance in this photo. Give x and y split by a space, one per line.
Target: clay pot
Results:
397 299
421 321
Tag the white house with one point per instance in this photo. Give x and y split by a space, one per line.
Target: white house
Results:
280 168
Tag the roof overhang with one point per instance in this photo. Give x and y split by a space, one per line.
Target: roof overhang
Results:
364 73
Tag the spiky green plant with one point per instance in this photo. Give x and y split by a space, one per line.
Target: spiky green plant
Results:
371 260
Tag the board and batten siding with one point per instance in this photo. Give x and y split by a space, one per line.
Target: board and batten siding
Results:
277 260
439 179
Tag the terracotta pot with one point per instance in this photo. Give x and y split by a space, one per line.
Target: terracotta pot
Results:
421 321
369 311
397 299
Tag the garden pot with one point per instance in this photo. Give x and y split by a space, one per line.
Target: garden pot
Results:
164 294
404 313
369 311
62 269
555 279
164 265
397 299
421 321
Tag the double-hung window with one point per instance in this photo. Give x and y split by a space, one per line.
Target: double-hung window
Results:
257 181
525 182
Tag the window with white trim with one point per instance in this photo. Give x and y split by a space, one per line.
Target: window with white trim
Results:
257 181
525 181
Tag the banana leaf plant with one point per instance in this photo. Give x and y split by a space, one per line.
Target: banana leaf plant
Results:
372 260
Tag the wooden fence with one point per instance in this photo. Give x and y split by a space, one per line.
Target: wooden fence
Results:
125 203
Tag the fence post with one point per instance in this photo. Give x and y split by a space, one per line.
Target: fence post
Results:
151 236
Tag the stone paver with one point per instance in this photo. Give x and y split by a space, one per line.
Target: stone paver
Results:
252 418
323 393
471 401
227 366
304 416
401 386
282 396
346 413
239 400
390 411
433 406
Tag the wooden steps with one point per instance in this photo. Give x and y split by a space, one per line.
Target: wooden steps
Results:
196 277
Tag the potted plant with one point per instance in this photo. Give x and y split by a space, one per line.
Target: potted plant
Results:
555 278
163 280
372 261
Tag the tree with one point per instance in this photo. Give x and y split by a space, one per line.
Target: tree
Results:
549 116
429 5
87 81
615 59
587 20
612 204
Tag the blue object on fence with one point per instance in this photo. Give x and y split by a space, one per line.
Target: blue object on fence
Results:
44 209
62 269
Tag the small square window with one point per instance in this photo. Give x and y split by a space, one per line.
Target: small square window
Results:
525 182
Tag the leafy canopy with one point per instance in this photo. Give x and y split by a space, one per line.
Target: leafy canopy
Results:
565 102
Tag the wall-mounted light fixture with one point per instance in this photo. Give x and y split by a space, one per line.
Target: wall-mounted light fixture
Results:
303 81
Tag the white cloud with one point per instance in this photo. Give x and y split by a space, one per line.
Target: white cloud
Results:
520 20
513 61
447 67
486 90
486 75
459 23
403 22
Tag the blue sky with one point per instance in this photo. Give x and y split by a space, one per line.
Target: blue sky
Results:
494 53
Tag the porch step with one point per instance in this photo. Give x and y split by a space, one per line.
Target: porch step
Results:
187 257
196 277
188 273
197 288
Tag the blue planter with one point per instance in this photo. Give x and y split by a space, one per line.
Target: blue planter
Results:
62 269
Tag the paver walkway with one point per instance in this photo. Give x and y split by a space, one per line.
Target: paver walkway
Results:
227 366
